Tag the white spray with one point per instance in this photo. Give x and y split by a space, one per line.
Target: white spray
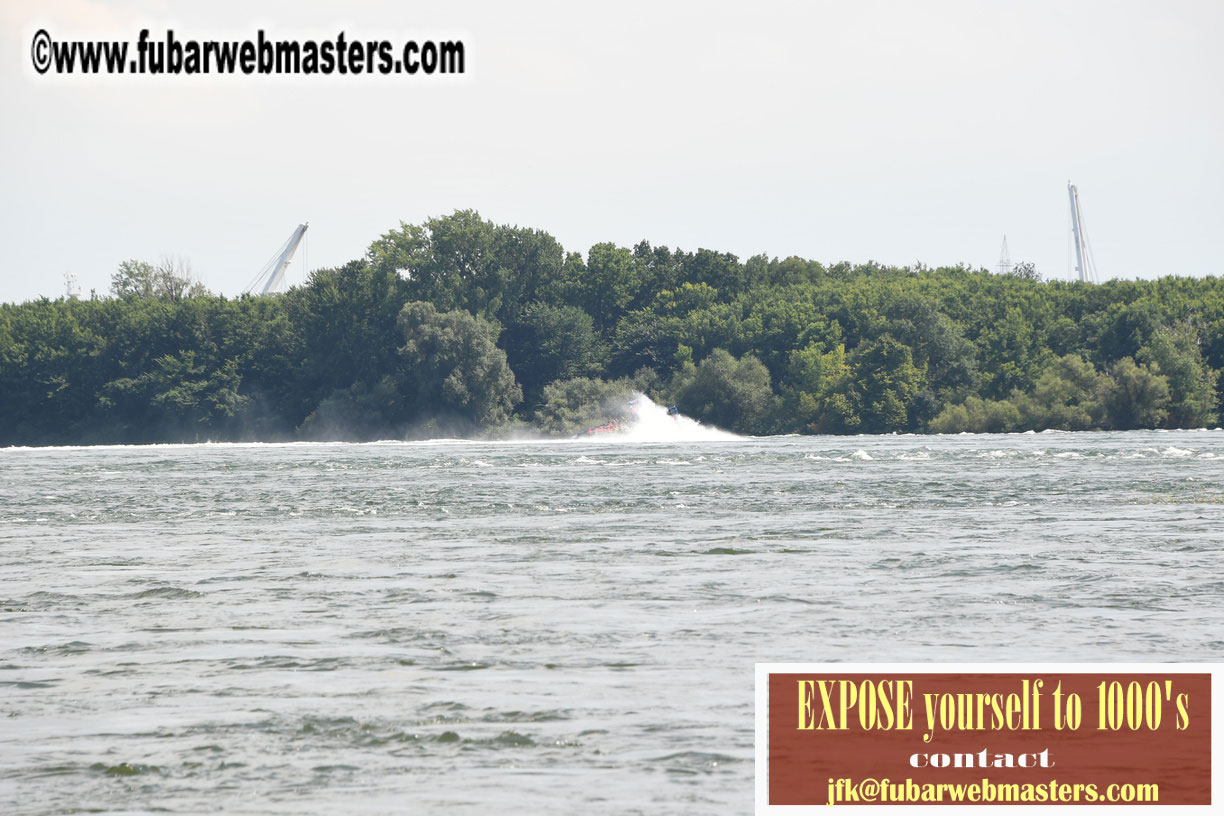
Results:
650 422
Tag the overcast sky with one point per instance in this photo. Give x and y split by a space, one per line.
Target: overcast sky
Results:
899 132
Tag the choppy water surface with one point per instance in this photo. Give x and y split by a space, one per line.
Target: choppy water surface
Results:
558 627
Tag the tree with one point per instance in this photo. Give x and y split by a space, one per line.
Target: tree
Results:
178 397
1068 396
937 343
346 322
722 270
452 366
1012 354
612 279
1192 383
447 262
643 338
977 415
172 279
814 391
730 393
1138 397
569 406
885 384
851 348
462 261
358 413
550 343
1025 270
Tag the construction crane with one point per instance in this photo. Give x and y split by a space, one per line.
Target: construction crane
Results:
1085 268
272 276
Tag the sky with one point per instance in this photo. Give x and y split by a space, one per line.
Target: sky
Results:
897 132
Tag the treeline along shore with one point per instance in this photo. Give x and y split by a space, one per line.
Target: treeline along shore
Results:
459 326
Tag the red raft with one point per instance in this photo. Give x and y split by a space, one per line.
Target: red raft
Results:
614 426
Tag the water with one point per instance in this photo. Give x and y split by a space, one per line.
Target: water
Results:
547 627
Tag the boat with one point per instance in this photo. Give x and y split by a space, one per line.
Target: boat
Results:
612 426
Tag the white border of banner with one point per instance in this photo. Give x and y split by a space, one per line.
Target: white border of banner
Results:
763 670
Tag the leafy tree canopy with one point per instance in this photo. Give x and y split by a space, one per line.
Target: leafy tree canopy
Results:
462 325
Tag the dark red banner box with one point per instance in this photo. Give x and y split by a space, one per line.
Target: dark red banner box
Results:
801 762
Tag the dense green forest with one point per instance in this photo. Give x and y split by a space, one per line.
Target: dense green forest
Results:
459 326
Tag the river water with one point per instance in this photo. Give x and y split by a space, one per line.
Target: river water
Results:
547 627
